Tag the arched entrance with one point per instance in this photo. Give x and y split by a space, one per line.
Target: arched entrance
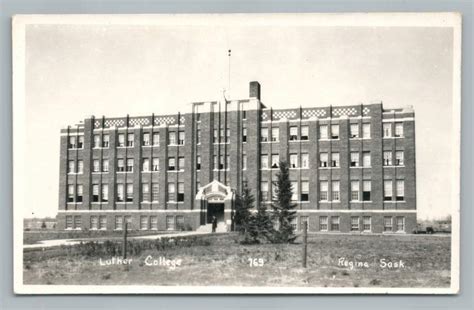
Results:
216 199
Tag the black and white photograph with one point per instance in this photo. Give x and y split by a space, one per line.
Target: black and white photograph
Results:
237 153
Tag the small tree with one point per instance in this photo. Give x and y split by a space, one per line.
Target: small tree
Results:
43 225
244 202
283 209
260 227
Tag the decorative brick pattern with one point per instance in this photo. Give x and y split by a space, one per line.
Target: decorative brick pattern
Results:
284 114
139 121
182 120
264 116
115 122
165 120
366 111
344 111
97 124
314 113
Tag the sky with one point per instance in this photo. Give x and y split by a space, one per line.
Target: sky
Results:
75 71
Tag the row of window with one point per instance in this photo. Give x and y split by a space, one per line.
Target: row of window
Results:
126 165
99 222
332 223
223 135
100 192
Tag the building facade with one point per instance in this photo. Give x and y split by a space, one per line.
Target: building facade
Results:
352 168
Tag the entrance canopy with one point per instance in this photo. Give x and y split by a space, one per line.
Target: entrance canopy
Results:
215 192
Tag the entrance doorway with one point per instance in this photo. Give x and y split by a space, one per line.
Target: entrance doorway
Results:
217 210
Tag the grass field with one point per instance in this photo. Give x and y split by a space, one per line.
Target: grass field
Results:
221 260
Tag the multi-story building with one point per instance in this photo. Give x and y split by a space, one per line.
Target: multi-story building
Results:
352 168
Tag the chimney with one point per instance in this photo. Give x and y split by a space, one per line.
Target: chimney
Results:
254 90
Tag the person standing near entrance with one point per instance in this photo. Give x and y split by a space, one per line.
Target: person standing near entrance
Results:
214 224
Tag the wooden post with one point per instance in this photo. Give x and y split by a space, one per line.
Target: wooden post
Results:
124 245
305 243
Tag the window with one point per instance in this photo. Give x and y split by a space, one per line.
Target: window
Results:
354 190
120 165
400 224
366 131
145 192
323 159
323 223
293 160
323 131
120 193
304 191
354 130
335 223
171 138
198 117
304 160
129 164
179 222
171 191
323 190
156 139
102 222
198 136
69 222
387 130
181 137
171 164
275 160
127 219
366 188
80 167
335 160
244 114
105 141
293 224
71 166
398 130
105 165
77 222
94 222
130 139
293 133
198 186
198 162
303 220
387 190
387 224
95 192
129 192
215 136
155 164
354 159
264 161
154 222
215 162
399 158
70 193
180 191
275 134
181 163
96 143
400 190
222 135
244 134
118 222
264 134
95 165
154 192
121 140
146 139
221 162
335 191
227 135
169 222
79 193
387 158
305 132
145 165
244 161
72 142
80 142
143 222
334 131
105 193
366 159
264 190
294 191
354 223
366 223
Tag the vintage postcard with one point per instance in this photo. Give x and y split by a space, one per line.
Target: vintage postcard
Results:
237 153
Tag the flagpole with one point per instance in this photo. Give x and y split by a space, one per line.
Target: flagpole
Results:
228 78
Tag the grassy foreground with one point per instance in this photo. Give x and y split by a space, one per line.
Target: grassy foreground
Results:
221 260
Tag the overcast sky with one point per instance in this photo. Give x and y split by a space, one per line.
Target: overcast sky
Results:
74 71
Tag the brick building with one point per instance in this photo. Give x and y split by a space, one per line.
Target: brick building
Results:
352 168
